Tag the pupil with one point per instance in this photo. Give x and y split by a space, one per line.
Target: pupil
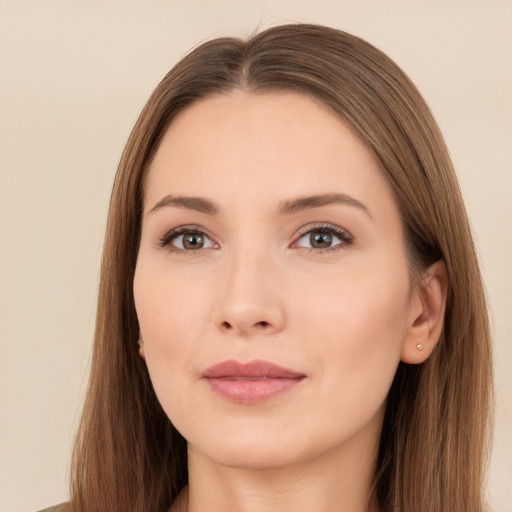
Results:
193 241
320 240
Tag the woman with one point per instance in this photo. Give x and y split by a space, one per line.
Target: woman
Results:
291 315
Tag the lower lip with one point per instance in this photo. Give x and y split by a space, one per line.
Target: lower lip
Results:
252 391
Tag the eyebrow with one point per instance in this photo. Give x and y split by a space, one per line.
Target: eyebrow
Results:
287 207
190 203
306 203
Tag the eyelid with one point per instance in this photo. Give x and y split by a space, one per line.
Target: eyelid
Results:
345 237
342 234
166 240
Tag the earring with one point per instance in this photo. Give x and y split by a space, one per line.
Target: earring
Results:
419 346
141 346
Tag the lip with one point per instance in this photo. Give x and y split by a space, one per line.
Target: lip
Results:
252 382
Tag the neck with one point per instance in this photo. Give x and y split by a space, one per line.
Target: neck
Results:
337 481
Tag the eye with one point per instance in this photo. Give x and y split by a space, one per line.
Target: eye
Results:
186 239
192 241
324 237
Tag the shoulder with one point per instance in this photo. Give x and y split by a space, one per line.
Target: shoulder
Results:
56 508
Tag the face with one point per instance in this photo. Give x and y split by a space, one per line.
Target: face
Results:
272 283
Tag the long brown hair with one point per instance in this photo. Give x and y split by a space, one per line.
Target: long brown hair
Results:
128 456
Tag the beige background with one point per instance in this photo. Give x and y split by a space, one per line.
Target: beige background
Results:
73 77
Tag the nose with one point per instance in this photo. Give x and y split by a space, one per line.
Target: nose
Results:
250 300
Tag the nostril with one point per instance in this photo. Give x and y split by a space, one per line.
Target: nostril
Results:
227 326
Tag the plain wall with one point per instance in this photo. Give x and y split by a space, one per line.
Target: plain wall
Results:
73 78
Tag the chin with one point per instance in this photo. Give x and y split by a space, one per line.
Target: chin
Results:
251 455
263 448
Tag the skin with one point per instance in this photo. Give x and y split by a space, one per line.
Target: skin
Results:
344 316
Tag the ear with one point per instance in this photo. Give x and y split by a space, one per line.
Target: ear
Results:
426 317
141 347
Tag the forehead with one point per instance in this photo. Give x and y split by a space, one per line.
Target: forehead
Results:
269 146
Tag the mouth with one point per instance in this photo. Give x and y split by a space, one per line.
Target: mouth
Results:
252 382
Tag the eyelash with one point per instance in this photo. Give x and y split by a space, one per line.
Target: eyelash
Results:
165 241
344 236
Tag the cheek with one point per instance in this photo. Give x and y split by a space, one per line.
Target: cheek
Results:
171 311
166 302
356 327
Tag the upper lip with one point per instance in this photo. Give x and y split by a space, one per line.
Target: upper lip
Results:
252 370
